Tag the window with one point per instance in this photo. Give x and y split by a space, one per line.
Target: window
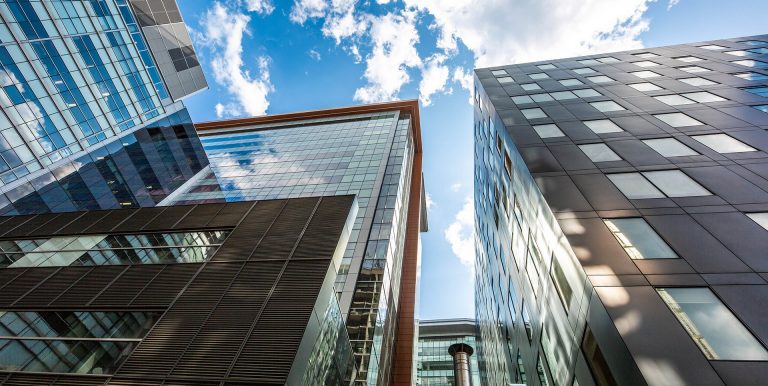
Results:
521 368
645 63
563 95
688 59
723 143
506 79
737 53
533 113
646 55
548 131
596 360
674 100
763 108
713 47
522 99
583 71
693 69
752 63
754 42
530 86
638 239
669 147
544 97
711 325
602 126
588 62
608 59
586 93
657 184
752 76
606 106
527 322
541 371
563 287
703 97
760 218
645 74
499 72
547 66
570 82
599 152
600 79
696 81
762 90
539 75
645 86
758 51
677 120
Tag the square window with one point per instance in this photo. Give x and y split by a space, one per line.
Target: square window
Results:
608 59
719 334
602 126
585 70
675 183
696 81
737 53
548 131
533 113
754 42
634 186
677 120
547 66
599 152
539 75
689 59
669 147
645 74
752 76
638 239
646 55
645 63
713 47
499 72
645 86
693 69
541 97
522 99
570 82
723 143
606 106
586 93
530 86
763 108
752 63
600 79
760 218
589 62
703 97
506 79
563 95
762 90
674 100
758 51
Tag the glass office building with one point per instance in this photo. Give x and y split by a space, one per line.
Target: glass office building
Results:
434 365
371 151
621 214
86 86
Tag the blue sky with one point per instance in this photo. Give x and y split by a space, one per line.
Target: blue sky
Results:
276 56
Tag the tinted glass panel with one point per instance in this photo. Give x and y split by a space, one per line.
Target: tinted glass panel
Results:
533 113
723 143
601 126
645 86
606 106
548 131
675 183
760 218
677 119
669 147
638 239
635 186
599 152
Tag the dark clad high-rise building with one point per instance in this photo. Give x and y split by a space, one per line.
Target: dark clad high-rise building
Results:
622 215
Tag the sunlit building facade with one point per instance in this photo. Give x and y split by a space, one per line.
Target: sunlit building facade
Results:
621 208
434 365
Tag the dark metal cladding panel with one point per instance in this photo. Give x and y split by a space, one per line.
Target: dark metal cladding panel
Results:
121 292
283 235
249 233
28 226
52 287
56 223
82 223
199 216
110 220
168 218
142 217
21 379
12 223
87 288
165 287
231 214
23 283
322 234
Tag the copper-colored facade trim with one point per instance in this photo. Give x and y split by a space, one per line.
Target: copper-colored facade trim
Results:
409 106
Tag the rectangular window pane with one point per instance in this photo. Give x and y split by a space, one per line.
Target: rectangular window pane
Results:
693 69
606 106
674 100
645 86
760 218
602 126
713 47
586 93
645 63
723 143
752 63
703 97
564 289
585 70
599 152
563 95
505 79
711 325
530 86
533 113
600 79
539 75
645 74
763 108
548 66
522 99
548 131
696 81
677 120
689 59
669 147
675 183
638 239
542 97
570 82
499 72
635 186
646 55
752 76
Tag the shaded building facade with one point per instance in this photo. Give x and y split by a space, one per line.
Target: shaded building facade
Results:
434 365
621 203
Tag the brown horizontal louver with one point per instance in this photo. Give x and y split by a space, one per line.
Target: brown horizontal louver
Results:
141 217
248 234
199 216
56 223
286 230
134 382
231 214
95 281
83 222
12 223
170 216
281 325
23 283
322 234
20 379
122 291
28 226
112 219
52 288
7 276
165 287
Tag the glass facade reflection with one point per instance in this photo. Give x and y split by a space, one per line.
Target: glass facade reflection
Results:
434 366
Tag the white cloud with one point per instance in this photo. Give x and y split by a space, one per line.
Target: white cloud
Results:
434 75
314 55
456 187
394 37
306 9
430 202
499 32
260 6
460 234
223 31
672 3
